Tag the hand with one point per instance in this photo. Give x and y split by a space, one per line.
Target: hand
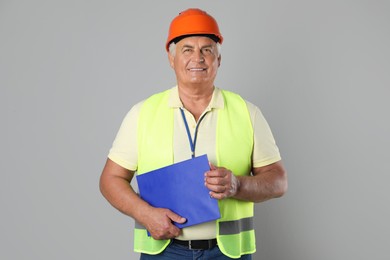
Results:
221 182
159 223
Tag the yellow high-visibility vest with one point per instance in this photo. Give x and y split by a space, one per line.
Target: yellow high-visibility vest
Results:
234 146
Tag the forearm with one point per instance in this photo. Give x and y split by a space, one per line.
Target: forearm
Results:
261 187
267 182
121 195
115 187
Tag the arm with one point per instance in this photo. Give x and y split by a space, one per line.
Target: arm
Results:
267 182
115 187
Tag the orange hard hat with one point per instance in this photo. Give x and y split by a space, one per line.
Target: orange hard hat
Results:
193 22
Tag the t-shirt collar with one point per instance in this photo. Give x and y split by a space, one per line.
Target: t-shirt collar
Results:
216 100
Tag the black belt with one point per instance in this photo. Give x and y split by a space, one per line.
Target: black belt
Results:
197 244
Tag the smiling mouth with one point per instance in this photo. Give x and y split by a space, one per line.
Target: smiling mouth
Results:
197 69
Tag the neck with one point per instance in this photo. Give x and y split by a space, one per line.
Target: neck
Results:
196 99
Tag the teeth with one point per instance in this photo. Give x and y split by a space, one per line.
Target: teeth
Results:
196 69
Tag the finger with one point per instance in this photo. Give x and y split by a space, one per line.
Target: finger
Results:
213 181
168 233
216 180
215 173
212 166
218 196
176 218
173 232
216 188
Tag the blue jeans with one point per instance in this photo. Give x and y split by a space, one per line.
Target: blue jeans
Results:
179 252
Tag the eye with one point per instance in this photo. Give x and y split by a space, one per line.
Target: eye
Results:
187 50
207 51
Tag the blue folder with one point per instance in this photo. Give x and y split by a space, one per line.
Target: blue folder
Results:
180 188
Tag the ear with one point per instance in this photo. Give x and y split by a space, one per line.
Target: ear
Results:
171 60
219 60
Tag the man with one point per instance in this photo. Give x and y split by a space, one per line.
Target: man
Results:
191 119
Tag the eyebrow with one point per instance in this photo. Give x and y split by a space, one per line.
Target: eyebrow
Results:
187 46
192 47
207 46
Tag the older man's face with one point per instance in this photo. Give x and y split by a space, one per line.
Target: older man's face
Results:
196 61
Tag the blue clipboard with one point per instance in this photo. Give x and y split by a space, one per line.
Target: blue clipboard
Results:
180 188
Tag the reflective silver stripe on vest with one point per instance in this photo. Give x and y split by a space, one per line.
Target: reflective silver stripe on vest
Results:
235 226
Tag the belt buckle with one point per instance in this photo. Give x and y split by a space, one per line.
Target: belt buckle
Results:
189 244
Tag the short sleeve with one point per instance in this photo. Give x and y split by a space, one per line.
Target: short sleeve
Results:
265 150
124 148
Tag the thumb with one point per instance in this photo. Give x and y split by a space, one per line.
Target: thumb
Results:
212 166
176 218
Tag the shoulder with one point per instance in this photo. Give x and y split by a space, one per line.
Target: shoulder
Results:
135 109
230 95
254 111
227 94
158 96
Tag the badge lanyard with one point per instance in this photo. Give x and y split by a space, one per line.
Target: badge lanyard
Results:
192 142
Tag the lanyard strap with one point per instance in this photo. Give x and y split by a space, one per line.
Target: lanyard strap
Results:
192 143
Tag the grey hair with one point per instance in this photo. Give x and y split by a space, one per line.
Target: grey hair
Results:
172 49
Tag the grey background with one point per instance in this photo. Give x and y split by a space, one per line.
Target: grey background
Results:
319 70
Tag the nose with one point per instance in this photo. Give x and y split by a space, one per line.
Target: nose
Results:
198 56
